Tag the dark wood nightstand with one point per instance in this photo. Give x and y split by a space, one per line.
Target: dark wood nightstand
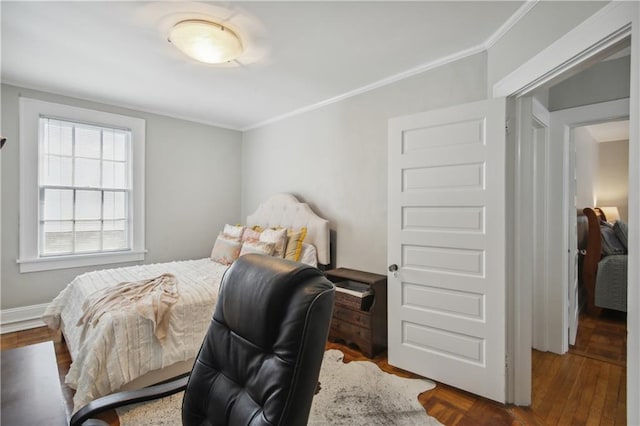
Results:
364 326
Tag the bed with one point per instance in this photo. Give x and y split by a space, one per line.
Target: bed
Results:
604 268
121 352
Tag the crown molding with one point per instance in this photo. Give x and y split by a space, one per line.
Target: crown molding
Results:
124 105
509 23
484 46
380 83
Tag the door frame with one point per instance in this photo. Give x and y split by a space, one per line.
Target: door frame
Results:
540 187
586 44
533 121
562 125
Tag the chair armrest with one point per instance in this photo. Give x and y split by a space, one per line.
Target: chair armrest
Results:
120 399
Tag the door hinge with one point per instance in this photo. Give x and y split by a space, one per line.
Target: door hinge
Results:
506 127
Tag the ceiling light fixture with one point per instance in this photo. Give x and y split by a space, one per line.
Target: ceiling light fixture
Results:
206 41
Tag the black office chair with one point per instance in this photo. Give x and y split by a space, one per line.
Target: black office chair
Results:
260 359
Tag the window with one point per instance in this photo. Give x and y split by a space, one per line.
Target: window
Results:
81 187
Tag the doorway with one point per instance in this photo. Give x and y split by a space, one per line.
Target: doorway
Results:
583 46
602 178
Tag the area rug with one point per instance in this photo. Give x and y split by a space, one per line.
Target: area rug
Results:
354 394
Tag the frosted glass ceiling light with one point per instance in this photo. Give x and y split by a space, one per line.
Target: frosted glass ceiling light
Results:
206 41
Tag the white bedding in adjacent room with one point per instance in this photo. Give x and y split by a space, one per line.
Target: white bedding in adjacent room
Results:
102 361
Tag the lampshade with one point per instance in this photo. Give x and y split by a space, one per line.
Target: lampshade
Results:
611 213
206 41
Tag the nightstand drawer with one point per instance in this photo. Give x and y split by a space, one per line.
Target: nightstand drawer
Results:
359 318
351 334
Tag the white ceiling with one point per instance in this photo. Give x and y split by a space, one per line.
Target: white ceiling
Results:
298 53
609 132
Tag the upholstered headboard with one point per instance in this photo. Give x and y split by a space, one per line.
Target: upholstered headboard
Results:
284 210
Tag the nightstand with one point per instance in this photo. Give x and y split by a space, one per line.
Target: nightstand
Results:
362 323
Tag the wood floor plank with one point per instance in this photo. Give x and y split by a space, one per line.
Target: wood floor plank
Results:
599 394
8 341
590 374
542 380
563 383
621 412
571 403
611 399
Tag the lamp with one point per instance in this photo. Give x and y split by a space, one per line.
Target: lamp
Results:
206 41
611 213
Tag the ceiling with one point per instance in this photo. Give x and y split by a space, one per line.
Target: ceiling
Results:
298 54
610 131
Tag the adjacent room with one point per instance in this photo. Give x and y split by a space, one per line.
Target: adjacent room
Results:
425 207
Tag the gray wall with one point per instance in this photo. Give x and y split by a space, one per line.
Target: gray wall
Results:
586 166
602 82
612 182
544 24
192 190
335 157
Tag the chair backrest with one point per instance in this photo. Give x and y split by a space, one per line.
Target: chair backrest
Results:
260 359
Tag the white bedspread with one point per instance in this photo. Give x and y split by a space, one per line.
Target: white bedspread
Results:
123 347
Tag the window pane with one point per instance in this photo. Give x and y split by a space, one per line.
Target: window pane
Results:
114 235
113 175
120 145
88 205
58 204
87 173
114 205
57 137
87 142
88 236
114 144
58 237
56 170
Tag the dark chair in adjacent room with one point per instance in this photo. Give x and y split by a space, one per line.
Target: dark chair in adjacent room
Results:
260 359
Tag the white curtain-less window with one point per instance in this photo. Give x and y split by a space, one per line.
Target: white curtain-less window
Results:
81 187
84 189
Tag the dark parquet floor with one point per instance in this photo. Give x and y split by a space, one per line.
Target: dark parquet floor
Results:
586 386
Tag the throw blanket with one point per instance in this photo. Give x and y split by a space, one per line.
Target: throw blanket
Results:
151 299
122 346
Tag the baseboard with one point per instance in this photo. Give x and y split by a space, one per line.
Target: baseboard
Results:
22 318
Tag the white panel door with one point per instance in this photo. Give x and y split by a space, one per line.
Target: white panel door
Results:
447 236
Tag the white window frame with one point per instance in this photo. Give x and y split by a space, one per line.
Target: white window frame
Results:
30 112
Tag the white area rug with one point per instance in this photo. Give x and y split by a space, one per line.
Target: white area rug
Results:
354 394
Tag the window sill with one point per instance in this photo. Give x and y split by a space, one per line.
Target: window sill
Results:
76 261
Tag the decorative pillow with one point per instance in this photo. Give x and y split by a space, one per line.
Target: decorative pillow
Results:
277 236
259 247
622 232
294 245
309 255
226 249
610 242
250 235
233 231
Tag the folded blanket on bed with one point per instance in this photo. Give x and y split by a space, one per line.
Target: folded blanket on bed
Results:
151 299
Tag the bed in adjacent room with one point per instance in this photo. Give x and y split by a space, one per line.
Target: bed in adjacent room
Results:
128 348
605 262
